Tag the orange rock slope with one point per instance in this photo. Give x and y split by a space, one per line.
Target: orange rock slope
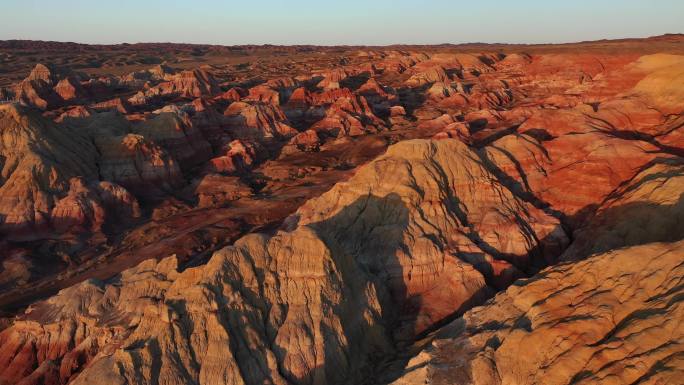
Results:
402 217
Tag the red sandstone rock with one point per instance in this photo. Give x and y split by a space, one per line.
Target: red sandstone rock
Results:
176 133
397 111
257 121
531 149
36 93
239 156
43 73
264 94
69 89
73 112
331 80
117 104
305 141
188 84
86 208
234 94
428 73
439 123
215 190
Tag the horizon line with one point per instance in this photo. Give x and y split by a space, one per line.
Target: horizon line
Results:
617 39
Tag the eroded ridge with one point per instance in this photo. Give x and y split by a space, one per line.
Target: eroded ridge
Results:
346 224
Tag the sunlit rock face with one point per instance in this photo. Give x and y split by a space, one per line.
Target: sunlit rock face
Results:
344 217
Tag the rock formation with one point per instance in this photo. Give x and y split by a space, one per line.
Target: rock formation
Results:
188 84
613 318
258 121
393 260
330 215
38 161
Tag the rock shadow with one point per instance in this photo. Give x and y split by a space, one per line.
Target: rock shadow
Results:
412 98
354 82
628 225
368 233
366 240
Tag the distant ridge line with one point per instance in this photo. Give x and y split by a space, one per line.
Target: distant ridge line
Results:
57 45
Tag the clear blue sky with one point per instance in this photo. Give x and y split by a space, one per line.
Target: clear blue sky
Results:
337 22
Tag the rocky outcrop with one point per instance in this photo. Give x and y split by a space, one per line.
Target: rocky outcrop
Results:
239 156
38 160
73 113
42 73
378 96
348 116
139 164
159 72
129 159
235 94
462 219
187 84
312 302
86 207
298 104
257 121
47 87
216 190
36 93
175 132
662 86
41 160
613 318
331 79
243 300
648 208
116 104
70 89
427 74
263 94
306 141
